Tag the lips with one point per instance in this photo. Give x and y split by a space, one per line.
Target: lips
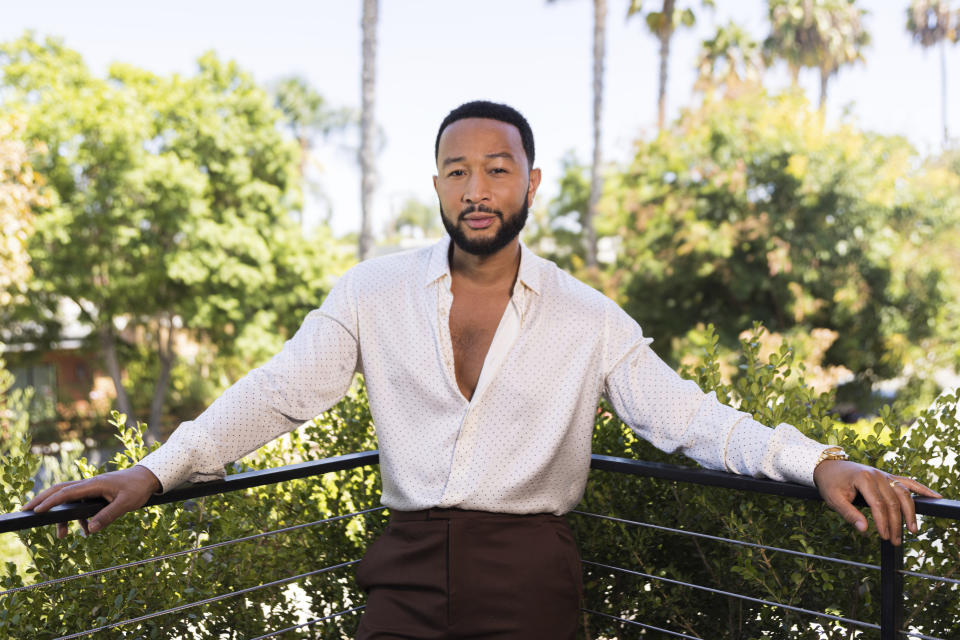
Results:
479 222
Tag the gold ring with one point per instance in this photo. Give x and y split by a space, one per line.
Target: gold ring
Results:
894 483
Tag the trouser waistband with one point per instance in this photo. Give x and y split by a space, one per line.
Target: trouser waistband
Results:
438 513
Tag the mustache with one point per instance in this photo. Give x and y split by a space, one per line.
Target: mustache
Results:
480 208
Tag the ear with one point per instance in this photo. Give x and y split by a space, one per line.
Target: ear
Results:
435 186
533 183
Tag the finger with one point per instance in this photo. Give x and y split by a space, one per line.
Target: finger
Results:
106 515
43 495
916 487
850 513
891 500
907 507
871 492
71 493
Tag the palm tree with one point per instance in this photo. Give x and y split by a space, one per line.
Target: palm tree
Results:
367 126
732 58
932 22
821 34
596 180
307 115
662 25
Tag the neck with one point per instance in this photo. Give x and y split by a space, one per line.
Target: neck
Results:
492 270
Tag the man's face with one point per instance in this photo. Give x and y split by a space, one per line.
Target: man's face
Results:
484 184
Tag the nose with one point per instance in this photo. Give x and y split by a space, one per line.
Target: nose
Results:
477 189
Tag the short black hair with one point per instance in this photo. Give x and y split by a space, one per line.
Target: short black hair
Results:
491 111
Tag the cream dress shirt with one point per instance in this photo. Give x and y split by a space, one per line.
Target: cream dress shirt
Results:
522 443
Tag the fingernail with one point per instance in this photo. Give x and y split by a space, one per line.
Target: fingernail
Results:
94 526
861 526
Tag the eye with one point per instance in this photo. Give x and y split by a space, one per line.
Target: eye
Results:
455 173
499 170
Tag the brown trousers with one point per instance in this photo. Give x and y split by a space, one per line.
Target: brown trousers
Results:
448 574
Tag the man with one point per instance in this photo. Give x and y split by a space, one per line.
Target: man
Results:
484 365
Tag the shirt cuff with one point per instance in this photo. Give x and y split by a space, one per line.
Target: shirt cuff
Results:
174 463
786 454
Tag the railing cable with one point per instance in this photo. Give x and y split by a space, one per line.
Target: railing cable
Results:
917 574
914 634
744 543
310 623
641 624
175 554
211 600
730 594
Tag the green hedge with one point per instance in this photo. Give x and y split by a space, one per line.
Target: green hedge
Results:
773 391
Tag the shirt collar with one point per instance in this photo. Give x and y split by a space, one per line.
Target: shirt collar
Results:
438 266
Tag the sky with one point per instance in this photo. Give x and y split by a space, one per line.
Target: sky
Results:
436 54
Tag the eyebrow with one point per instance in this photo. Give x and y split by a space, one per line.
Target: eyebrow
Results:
499 154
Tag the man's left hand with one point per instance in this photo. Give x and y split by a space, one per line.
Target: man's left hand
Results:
889 497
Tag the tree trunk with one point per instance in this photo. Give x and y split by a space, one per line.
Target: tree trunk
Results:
665 34
824 77
108 346
794 75
304 143
596 183
367 133
167 358
943 91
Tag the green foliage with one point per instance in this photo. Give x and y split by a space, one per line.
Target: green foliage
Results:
931 22
20 191
72 606
926 450
772 390
731 58
172 199
752 209
821 34
414 219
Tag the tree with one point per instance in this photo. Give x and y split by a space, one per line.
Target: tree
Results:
752 209
589 237
20 192
931 22
821 34
662 24
730 59
414 219
367 125
171 216
308 115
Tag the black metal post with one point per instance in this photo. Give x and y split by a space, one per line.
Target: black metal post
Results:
891 590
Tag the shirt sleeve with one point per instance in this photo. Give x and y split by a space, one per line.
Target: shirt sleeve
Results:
675 415
309 375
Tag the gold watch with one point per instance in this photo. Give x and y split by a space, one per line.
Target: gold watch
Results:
831 453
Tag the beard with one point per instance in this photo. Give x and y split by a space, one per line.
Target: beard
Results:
510 227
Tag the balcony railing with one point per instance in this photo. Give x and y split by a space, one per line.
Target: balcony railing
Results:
891 568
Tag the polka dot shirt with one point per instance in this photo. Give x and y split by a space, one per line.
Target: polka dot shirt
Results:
522 443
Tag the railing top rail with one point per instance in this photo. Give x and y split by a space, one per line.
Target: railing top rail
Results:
19 520
234 482
940 508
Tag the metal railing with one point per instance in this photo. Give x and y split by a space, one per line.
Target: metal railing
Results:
891 568
22 520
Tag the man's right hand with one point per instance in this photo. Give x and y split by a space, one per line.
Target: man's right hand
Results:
125 490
